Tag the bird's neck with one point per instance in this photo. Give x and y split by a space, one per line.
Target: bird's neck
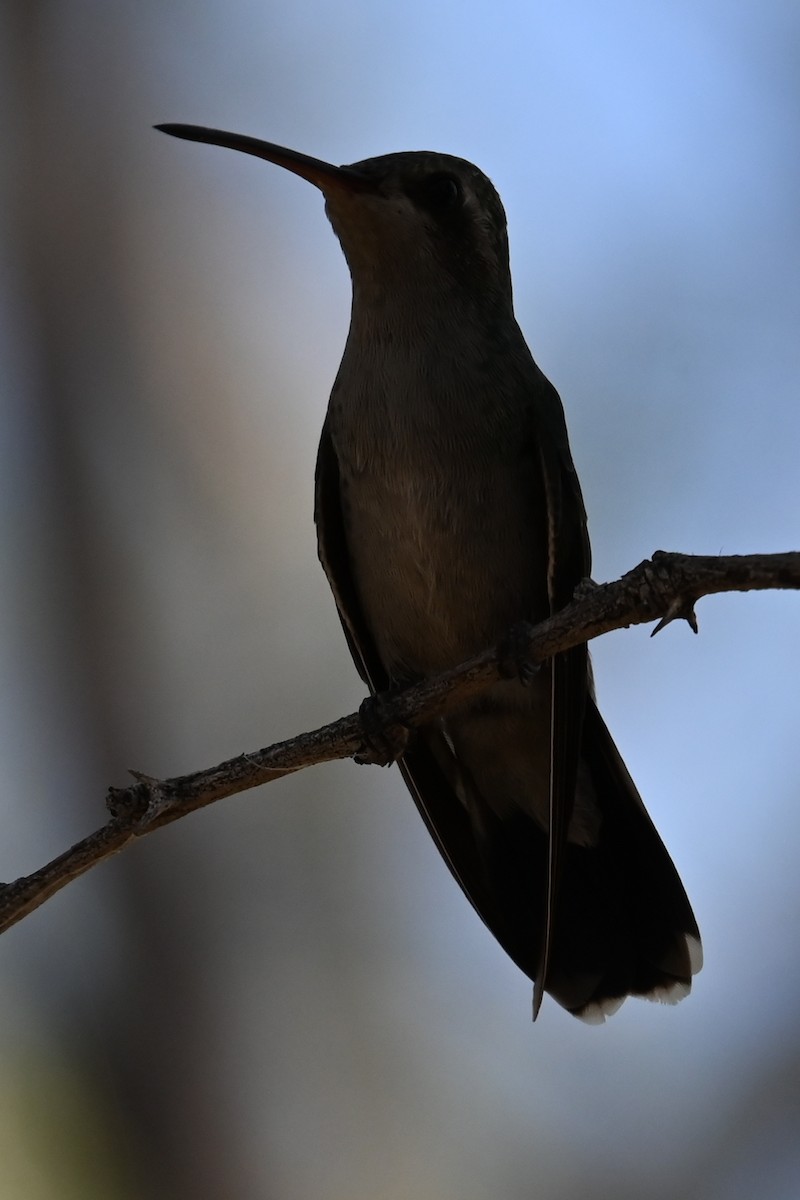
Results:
428 318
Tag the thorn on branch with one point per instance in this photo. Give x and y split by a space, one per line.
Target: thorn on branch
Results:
586 588
679 610
127 804
143 804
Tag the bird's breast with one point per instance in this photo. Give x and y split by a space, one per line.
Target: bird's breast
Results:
447 545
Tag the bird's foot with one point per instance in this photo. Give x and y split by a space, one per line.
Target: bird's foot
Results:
384 740
515 660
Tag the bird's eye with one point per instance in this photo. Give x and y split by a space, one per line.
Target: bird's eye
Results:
441 191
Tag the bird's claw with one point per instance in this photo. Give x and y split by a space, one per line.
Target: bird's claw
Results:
514 658
384 741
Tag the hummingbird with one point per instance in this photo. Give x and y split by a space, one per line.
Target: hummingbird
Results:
448 512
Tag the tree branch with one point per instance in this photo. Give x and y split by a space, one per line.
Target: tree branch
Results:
663 588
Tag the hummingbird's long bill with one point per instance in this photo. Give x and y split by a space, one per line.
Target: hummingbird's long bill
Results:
323 175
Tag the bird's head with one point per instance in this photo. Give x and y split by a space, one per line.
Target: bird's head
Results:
408 223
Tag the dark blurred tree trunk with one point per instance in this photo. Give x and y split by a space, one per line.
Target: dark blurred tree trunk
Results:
70 252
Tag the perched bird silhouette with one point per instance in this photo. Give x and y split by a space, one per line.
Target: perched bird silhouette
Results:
448 510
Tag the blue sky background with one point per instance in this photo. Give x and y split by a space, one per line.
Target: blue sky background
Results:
287 996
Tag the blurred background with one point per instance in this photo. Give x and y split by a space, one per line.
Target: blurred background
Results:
286 996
